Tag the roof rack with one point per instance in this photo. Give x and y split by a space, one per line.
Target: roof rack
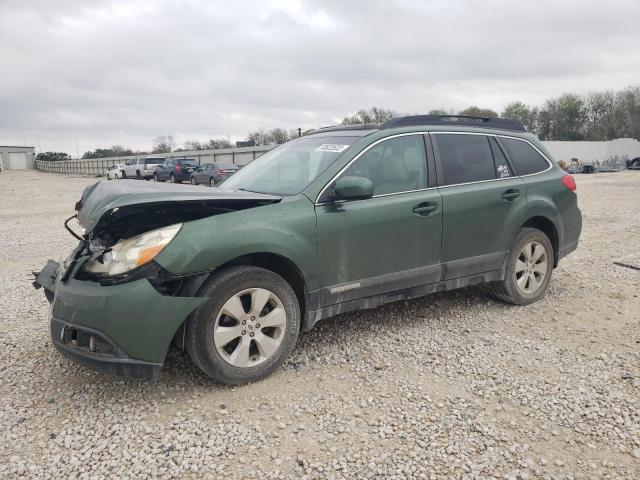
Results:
358 126
466 120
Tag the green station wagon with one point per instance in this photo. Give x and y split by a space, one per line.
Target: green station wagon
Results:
342 219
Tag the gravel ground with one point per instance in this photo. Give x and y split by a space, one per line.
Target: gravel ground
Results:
455 385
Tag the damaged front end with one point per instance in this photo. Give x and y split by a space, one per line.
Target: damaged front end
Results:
114 308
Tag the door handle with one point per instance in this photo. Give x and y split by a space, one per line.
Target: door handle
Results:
425 209
511 195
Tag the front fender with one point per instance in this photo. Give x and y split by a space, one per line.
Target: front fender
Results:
287 229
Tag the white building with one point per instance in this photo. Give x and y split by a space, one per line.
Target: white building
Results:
16 158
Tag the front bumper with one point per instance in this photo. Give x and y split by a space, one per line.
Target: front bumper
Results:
93 349
123 329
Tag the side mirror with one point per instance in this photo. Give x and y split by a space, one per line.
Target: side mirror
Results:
353 188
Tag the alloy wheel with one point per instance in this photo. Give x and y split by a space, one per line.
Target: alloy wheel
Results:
250 327
531 267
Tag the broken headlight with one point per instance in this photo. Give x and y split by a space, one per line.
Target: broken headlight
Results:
132 252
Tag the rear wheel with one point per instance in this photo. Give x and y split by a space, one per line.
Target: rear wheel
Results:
155 177
212 182
529 268
172 178
247 328
193 181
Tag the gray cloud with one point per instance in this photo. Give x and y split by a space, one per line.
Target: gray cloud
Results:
124 72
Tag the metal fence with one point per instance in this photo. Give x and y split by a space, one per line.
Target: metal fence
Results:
99 166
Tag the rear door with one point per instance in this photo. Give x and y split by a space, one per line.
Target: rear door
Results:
386 243
483 202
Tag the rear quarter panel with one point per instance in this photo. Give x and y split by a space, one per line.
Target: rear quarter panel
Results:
547 193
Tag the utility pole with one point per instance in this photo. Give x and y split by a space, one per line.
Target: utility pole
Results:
299 132
77 150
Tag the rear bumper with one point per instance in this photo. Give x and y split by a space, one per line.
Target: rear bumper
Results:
567 249
182 177
95 350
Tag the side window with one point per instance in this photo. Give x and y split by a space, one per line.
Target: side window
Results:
393 166
464 158
502 166
525 158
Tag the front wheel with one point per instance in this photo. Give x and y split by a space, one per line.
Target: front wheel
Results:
212 182
155 177
529 268
193 181
248 326
172 178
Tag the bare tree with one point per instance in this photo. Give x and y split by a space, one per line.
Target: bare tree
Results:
278 136
474 111
372 115
259 137
218 143
192 145
163 144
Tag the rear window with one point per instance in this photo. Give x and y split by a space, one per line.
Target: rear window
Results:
188 163
153 161
227 166
464 158
526 159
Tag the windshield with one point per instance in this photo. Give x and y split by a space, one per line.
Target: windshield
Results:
291 167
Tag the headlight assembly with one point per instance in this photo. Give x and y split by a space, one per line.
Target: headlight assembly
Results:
132 252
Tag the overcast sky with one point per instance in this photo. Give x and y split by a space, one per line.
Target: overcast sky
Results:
124 72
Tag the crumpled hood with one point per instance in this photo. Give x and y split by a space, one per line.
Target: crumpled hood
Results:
107 197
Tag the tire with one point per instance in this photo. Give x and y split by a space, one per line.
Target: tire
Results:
215 356
212 182
155 178
513 289
172 178
124 174
193 181
138 176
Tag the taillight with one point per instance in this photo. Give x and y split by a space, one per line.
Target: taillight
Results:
569 182
178 168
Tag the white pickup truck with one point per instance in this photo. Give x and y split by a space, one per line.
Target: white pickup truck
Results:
141 168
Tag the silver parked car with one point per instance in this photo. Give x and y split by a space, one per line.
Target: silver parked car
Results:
142 168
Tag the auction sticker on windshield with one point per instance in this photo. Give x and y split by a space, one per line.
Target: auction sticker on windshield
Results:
331 147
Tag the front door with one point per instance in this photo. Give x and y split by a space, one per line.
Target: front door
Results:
483 203
386 243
